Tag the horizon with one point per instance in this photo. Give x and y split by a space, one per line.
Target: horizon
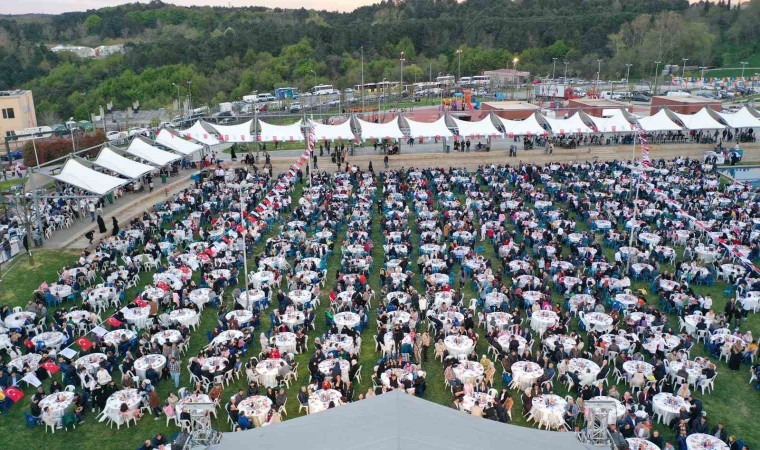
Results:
53 7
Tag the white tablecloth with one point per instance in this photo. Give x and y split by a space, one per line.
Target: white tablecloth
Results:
542 320
50 339
325 367
598 321
459 346
320 400
17 320
483 399
524 373
286 342
256 408
668 406
184 316
137 316
549 409
292 319
57 403
346 319
113 405
469 371
699 441
31 359
225 336
156 362
114 337
268 370
90 362
243 316
173 336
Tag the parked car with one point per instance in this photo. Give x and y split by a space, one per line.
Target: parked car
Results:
113 135
295 107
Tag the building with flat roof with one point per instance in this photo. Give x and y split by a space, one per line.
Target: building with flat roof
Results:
599 107
513 110
683 104
16 111
506 77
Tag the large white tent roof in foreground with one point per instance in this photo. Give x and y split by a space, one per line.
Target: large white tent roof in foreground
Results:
571 125
742 118
280 133
396 420
235 133
701 120
177 143
615 123
481 128
78 175
437 129
341 131
149 153
527 127
659 122
388 130
108 159
200 134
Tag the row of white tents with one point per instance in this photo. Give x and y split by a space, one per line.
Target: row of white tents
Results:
400 127
143 156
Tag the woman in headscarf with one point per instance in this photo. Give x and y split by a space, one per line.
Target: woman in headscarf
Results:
101 224
115 224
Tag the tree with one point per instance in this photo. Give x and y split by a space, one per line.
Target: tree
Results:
93 24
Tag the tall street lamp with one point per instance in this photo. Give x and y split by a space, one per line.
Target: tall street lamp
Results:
628 75
554 67
744 64
565 77
362 80
656 70
683 71
459 66
598 75
179 102
190 95
514 69
401 84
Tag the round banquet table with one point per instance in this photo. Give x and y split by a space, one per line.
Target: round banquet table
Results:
114 337
226 336
320 400
49 339
615 414
700 441
498 319
293 319
641 444
157 362
459 346
518 264
692 320
482 399
495 299
401 297
184 316
346 319
215 365
670 341
57 403
402 317
549 409
631 367
60 290
531 296
524 373
185 404
299 296
17 320
693 368
577 299
243 316
525 280
442 298
338 342
137 316
112 410
286 342
598 321
567 342
667 406
505 338
173 336
542 320
621 341
256 408
581 366
77 316
268 370
668 285
469 371
30 359
438 279
200 296
90 362
325 367
627 300
261 278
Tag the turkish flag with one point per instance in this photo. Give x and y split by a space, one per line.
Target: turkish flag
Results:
14 394
141 303
84 343
50 366
114 322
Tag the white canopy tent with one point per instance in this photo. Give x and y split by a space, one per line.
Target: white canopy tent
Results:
108 159
177 143
280 133
437 129
78 175
659 122
241 132
154 155
483 127
702 120
527 127
199 133
388 130
742 118
614 123
571 125
341 131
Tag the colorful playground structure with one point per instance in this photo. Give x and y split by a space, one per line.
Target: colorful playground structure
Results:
461 101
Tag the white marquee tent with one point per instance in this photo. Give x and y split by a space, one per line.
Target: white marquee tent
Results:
199 133
437 129
235 133
702 120
571 125
341 131
659 122
388 130
481 128
154 155
280 133
527 127
108 159
615 123
78 175
742 118
177 143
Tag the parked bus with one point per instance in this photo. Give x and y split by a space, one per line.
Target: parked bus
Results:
286 92
323 89
481 80
448 80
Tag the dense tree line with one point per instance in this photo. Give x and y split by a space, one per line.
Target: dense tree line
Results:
229 52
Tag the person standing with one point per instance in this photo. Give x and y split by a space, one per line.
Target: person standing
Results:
174 371
91 208
115 225
385 161
425 344
101 224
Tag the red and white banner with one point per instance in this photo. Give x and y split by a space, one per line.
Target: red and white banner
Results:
646 160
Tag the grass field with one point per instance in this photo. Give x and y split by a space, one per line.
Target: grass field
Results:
732 402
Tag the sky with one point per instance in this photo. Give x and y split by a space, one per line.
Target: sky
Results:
61 6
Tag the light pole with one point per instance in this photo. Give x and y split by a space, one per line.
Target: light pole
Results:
598 75
564 80
459 65
628 75
401 87
362 80
190 95
179 102
514 69
702 68
683 71
244 233
313 92
656 70
744 64
554 67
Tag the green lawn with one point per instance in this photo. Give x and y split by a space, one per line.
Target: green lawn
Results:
730 403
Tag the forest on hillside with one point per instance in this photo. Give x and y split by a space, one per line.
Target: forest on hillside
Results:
231 52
